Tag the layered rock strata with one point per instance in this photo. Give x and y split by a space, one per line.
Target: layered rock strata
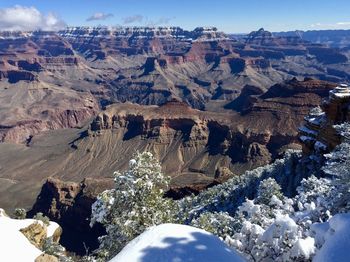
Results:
318 134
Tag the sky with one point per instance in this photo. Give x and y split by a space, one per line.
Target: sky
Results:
230 16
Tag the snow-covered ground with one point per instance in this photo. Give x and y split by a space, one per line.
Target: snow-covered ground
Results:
177 243
14 246
337 239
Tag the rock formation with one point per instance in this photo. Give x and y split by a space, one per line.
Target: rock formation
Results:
46 258
318 134
193 146
27 238
69 204
62 79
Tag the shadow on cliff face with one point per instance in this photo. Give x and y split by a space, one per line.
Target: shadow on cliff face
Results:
69 204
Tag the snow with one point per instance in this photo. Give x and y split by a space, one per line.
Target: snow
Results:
51 228
275 201
317 121
337 240
319 231
306 138
308 131
283 225
342 91
303 248
174 242
14 246
319 146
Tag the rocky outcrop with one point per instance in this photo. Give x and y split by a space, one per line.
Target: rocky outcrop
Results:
192 130
23 131
204 142
69 204
27 237
46 258
318 134
36 233
15 76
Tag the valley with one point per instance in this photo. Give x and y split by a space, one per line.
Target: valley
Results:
80 102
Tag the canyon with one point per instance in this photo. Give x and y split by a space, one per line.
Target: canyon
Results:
75 106
53 80
78 103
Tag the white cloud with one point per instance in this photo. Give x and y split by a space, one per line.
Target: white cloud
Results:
132 19
146 21
343 23
99 16
160 21
23 18
338 25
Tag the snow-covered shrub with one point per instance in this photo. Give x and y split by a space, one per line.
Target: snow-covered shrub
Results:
53 248
20 213
220 224
267 189
228 196
268 229
135 204
338 166
315 199
343 130
40 216
271 232
272 226
338 162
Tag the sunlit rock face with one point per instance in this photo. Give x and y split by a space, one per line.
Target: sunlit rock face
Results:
62 79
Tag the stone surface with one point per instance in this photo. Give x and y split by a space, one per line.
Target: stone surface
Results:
46 258
318 134
69 204
36 233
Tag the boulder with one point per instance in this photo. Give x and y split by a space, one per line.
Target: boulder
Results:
36 233
46 258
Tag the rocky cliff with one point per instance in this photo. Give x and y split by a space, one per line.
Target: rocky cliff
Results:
69 204
196 148
195 143
44 72
318 134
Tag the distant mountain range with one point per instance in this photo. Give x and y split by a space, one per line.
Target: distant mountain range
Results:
332 38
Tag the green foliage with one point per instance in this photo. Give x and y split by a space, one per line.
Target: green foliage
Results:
267 189
338 162
20 213
135 204
53 248
220 223
40 216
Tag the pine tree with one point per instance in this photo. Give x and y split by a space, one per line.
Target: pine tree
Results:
267 189
135 204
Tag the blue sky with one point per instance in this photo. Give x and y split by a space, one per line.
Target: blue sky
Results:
227 15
